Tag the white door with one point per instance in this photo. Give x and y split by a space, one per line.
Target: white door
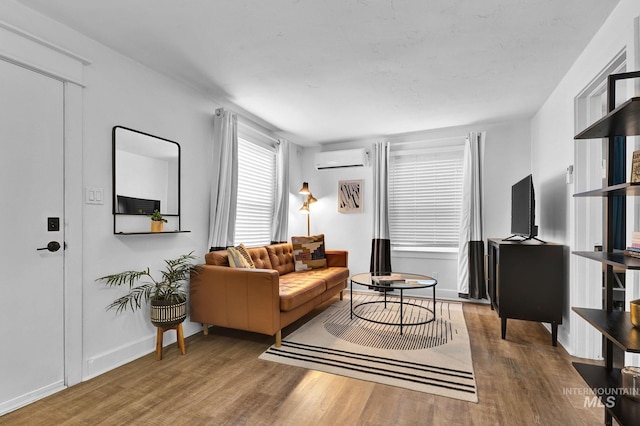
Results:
31 280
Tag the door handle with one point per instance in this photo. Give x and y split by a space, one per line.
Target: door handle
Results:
52 246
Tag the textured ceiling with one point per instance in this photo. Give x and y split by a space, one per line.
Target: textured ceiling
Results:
323 71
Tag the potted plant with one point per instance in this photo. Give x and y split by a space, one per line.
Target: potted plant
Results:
167 294
157 221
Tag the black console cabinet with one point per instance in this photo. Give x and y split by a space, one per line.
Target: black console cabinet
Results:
526 282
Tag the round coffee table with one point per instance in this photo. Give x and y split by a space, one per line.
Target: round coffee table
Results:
395 281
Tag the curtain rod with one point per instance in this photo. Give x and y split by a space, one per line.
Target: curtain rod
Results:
258 131
242 122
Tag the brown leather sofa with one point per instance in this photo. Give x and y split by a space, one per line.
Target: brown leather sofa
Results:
268 298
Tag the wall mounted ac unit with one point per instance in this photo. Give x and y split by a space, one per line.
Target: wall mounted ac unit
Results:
345 158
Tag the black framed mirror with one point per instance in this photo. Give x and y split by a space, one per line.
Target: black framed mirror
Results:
146 177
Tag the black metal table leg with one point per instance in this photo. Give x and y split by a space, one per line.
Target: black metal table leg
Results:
351 296
434 303
401 313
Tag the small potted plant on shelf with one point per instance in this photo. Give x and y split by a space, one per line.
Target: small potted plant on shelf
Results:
157 221
167 294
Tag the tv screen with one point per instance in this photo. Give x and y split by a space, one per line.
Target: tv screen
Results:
131 205
523 208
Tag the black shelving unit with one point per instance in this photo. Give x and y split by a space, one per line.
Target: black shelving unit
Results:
615 326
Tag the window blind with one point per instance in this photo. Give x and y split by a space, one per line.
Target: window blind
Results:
256 186
425 197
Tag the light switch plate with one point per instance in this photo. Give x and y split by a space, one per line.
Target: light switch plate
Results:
93 195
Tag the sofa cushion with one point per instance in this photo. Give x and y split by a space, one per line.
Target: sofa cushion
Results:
281 256
239 258
308 252
335 275
260 257
298 288
217 258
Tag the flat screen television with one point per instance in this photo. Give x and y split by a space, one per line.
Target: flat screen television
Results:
132 205
523 210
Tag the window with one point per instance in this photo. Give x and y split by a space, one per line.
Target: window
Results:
256 188
425 197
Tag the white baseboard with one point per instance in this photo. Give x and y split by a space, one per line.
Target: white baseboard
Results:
28 398
107 361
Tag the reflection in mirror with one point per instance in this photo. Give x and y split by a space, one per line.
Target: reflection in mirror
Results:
146 173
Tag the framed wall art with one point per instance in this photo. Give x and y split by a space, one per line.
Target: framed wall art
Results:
350 196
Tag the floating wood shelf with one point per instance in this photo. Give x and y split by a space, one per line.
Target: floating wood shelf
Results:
616 258
150 233
625 410
624 189
622 121
615 325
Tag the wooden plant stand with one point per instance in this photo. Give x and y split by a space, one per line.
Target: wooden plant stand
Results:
161 330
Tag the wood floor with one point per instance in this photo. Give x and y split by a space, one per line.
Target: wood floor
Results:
220 381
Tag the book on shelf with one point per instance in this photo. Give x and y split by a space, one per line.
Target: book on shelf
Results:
421 282
390 282
635 167
635 241
387 279
391 276
632 253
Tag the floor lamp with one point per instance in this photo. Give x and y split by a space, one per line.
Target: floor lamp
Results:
305 205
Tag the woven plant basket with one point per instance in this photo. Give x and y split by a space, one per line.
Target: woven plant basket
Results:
165 313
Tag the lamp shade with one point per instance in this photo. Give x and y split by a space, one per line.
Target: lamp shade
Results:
304 208
305 188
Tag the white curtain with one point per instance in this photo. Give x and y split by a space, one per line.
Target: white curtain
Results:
380 243
471 247
224 183
280 223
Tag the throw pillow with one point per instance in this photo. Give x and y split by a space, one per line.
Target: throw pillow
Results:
239 257
308 252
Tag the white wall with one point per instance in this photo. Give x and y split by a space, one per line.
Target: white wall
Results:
508 159
297 220
120 91
553 151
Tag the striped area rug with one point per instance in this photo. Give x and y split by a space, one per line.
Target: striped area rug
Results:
433 358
